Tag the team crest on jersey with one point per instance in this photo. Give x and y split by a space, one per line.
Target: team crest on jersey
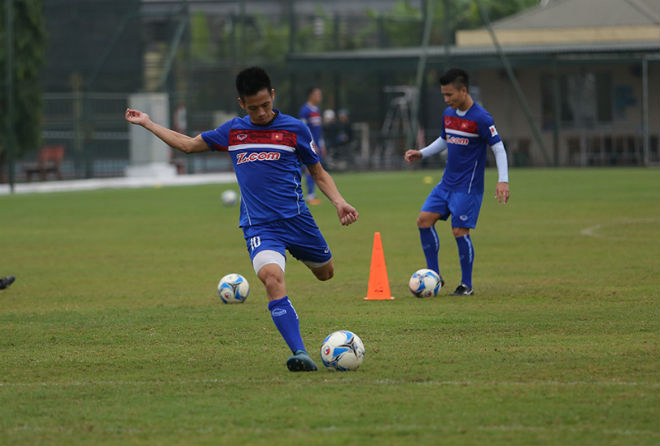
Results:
493 130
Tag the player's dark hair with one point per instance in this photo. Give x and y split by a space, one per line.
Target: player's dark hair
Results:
456 77
251 81
310 90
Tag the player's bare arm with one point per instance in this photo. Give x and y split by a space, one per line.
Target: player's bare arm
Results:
347 213
173 139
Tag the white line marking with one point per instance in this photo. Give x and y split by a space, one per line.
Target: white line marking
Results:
592 231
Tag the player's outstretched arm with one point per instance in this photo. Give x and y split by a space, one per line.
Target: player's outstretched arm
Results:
173 139
347 214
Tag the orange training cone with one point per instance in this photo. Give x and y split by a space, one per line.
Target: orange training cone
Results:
379 286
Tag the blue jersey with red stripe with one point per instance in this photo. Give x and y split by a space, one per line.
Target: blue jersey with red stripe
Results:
267 161
468 135
311 115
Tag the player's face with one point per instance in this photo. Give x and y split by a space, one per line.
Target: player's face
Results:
316 96
454 97
259 106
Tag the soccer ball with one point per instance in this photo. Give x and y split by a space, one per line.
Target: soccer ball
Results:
229 197
233 289
425 283
342 350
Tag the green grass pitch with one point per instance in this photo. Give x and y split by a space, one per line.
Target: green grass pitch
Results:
113 332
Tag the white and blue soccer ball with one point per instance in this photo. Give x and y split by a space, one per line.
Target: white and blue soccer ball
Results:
229 197
425 283
233 289
342 350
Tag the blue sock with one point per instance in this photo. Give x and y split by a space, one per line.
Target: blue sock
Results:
310 185
431 247
466 256
286 320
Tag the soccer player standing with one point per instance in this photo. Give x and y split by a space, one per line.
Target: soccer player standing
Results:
310 114
467 131
267 149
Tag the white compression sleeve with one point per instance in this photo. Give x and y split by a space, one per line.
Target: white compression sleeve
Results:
436 146
501 161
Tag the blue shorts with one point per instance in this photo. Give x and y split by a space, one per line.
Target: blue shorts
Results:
299 235
463 208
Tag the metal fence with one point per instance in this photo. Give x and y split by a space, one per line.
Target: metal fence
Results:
193 49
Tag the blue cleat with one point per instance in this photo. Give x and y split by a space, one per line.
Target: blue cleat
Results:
301 362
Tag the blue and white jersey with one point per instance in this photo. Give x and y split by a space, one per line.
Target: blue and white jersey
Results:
311 115
267 161
468 135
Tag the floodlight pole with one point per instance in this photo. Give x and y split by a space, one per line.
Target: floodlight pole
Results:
447 30
174 46
645 109
9 86
514 82
421 67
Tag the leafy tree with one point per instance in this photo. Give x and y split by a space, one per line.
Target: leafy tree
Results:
200 37
29 51
497 9
403 25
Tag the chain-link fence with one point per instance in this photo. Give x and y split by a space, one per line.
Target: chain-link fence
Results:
362 54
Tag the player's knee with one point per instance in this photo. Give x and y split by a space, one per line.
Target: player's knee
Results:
424 221
460 232
271 282
323 272
326 274
271 275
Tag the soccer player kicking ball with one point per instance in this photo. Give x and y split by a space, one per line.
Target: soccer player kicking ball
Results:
267 148
467 131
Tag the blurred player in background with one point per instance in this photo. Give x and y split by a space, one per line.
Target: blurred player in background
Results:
6 281
310 114
467 131
267 149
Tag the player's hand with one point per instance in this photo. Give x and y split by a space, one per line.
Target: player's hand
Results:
502 192
136 117
347 214
413 155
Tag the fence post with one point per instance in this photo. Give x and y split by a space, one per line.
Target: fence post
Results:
9 85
